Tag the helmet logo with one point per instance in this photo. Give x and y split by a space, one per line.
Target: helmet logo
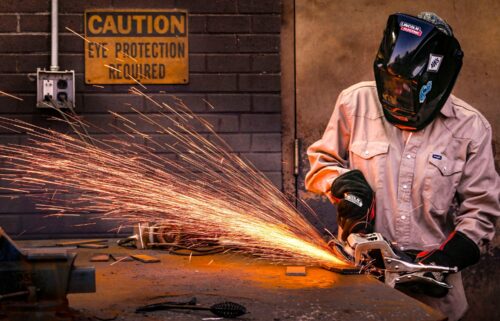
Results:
410 28
434 62
424 91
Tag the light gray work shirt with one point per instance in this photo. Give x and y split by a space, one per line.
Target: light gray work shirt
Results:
427 183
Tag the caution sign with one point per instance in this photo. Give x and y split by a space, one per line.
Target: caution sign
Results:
136 46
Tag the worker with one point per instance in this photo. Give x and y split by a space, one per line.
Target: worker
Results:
403 157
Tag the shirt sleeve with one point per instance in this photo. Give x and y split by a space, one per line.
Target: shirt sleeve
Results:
479 192
328 156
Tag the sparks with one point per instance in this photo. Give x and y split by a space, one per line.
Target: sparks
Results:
194 191
3 93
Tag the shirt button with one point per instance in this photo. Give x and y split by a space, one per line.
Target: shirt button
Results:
402 248
408 156
403 217
367 152
405 186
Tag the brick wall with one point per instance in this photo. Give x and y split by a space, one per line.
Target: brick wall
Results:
234 64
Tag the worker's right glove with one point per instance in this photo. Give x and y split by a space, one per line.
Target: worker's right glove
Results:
355 202
458 250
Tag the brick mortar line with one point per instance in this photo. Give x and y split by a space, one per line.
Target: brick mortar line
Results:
231 53
210 33
40 13
194 73
22 33
201 114
235 14
46 53
275 93
174 93
228 92
197 14
229 73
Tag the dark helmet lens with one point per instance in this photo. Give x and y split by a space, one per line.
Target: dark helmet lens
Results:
397 93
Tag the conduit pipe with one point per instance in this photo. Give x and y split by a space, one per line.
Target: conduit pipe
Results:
54 63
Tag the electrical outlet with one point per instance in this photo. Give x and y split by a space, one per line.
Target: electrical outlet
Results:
55 89
48 90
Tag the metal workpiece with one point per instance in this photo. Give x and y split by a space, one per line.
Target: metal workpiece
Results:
34 282
146 236
396 270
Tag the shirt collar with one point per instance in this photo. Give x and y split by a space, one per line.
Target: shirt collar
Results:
447 109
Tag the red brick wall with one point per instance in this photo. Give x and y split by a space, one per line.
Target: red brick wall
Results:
234 64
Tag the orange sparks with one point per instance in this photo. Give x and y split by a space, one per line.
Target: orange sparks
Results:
77 34
3 93
205 189
112 68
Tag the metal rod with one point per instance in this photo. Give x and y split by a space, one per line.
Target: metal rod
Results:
54 64
13 295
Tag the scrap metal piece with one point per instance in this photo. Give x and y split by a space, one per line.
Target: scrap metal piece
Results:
143 234
296 270
145 258
100 257
81 242
93 246
146 236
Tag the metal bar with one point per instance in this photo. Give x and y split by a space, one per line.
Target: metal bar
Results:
13 295
296 158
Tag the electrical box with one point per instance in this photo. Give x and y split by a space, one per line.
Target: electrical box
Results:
55 89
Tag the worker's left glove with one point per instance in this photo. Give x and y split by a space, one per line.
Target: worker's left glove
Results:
355 202
458 250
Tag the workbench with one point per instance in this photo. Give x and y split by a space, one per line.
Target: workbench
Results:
262 287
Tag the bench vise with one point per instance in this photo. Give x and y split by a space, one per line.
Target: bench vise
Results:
34 282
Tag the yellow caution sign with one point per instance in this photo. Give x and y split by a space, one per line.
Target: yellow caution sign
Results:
136 46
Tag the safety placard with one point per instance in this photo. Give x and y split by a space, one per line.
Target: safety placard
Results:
136 46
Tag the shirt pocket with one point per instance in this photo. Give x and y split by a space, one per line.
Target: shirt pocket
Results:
442 176
370 158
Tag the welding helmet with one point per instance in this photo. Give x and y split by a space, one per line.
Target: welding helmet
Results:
415 69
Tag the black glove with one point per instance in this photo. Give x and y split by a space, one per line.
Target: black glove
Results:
458 250
355 203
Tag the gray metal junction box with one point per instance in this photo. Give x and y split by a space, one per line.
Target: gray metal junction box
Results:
55 89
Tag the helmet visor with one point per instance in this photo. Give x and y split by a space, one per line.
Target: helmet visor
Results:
397 94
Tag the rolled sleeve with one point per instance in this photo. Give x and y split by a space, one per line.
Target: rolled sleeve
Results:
479 192
328 157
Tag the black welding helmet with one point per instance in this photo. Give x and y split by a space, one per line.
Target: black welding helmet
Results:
415 69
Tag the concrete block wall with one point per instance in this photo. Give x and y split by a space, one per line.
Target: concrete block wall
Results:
234 64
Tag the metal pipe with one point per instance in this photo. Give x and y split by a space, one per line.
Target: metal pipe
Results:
54 64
